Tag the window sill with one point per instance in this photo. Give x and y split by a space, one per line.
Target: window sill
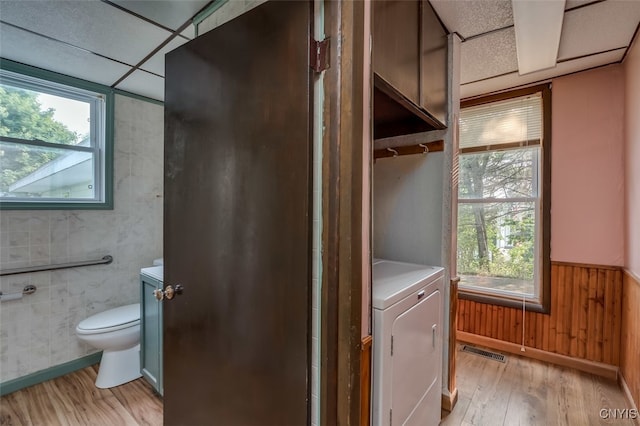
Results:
531 305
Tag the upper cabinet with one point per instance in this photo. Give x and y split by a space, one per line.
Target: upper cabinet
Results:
410 68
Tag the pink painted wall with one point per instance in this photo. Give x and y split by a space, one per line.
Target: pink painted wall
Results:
587 172
632 158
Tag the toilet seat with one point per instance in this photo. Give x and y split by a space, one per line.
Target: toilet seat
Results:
111 320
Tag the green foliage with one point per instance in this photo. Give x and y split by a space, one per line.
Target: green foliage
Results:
22 116
497 239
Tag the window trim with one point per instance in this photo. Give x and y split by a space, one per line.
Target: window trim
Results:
544 303
109 95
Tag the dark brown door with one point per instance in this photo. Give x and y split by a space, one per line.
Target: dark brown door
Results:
237 225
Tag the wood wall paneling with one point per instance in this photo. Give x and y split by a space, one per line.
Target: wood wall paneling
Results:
630 335
584 322
365 381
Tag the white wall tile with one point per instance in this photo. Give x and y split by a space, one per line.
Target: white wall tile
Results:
38 331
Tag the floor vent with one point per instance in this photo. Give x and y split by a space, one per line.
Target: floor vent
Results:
483 353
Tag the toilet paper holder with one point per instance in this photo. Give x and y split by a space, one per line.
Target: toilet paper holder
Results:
28 289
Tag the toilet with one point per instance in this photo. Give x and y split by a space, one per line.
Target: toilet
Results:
117 333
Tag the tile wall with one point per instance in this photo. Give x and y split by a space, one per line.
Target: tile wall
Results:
38 331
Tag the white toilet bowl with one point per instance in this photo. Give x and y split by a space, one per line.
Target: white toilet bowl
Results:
117 333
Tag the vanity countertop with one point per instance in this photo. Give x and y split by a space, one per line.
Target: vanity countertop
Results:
155 272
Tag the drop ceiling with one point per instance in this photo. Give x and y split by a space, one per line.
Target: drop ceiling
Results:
122 43
118 43
594 33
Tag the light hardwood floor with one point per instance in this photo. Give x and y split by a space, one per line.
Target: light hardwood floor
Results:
74 400
527 392
518 392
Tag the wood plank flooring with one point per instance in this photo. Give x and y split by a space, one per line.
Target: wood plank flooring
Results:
528 392
74 400
519 392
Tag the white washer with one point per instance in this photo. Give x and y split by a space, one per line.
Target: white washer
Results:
407 343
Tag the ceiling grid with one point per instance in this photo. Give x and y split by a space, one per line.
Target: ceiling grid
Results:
122 43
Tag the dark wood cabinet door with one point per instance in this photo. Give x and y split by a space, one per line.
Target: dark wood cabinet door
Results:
237 222
396 25
433 66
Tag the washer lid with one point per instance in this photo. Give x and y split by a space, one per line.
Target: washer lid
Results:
112 318
393 281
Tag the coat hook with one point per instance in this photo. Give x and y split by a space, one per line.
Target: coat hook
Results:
426 148
395 153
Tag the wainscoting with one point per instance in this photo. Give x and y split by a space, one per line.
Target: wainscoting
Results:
365 380
630 342
584 323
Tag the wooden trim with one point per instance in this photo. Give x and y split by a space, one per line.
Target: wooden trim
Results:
500 147
597 368
365 381
449 401
586 265
453 330
342 195
630 335
503 96
631 275
546 196
627 392
450 398
436 146
11 386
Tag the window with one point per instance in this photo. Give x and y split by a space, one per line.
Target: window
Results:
503 199
55 141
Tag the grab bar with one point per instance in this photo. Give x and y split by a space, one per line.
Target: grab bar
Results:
27 269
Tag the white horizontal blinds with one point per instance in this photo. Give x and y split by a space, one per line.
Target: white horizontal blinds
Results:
512 121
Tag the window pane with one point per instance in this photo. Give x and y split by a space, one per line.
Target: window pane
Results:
38 172
499 174
30 115
496 246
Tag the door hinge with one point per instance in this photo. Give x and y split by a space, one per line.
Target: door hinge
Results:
391 345
319 54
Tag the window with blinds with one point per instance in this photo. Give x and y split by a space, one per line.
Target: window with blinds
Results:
500 244
503 124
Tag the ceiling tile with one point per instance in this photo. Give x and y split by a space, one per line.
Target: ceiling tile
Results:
91 25
515 80
145 84
171 14
155 64
488 55
31 49
472 17
599 27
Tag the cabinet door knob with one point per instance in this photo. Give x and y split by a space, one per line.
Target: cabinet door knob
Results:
159 294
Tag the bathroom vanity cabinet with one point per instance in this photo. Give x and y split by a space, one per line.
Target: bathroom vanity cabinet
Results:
151 327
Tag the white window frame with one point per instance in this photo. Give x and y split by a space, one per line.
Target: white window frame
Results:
536 200
100 100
